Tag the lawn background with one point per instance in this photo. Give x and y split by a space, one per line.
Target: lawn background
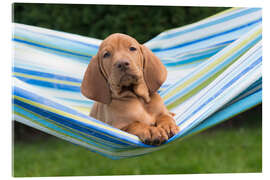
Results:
233 146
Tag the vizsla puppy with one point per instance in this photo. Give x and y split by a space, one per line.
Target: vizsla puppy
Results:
123 79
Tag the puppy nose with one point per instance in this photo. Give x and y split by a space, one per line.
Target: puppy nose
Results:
122 65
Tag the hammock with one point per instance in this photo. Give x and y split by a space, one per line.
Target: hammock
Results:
214 73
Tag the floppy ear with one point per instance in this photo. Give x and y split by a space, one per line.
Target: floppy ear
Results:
155 72
94 86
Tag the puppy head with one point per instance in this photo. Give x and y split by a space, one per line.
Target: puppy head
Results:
121 65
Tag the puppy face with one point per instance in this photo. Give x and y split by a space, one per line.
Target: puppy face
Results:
121 68
121 62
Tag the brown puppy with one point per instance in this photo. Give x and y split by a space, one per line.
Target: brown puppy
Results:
124 78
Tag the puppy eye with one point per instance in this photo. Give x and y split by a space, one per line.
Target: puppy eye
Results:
132 49
107 54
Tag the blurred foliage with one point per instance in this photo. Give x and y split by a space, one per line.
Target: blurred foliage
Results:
98 21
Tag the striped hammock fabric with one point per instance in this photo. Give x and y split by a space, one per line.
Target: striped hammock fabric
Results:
214 73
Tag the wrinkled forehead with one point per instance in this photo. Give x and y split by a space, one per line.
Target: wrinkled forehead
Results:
118 41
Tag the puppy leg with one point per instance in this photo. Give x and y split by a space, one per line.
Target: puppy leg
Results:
167 123
141 90
148 134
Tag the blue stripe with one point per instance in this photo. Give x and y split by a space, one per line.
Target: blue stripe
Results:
225 43
60 37
62 128
206 76
77 59
226 86
67 122
192 59
211 23
17 91
256 100
258 50
46 75
50 84
247 59
212 72
228 112
208 37
213 49
251 87
86 101
36 98
50 48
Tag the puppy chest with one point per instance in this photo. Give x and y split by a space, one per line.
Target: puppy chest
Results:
130 111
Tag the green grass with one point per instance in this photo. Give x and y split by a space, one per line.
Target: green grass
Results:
225 149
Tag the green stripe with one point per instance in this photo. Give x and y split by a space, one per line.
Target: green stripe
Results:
50 46
203 85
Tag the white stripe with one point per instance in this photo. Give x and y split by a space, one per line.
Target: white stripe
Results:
47 62
66 35
190 36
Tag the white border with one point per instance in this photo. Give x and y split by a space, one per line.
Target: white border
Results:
225 3
6 56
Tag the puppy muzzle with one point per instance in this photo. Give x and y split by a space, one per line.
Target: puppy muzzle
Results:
122 65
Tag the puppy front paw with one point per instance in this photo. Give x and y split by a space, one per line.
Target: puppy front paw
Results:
150 135
168 124
157 136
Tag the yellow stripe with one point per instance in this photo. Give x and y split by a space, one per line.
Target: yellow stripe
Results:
57 111
224 12
47 79
211 66
84 110
46 45
209 17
